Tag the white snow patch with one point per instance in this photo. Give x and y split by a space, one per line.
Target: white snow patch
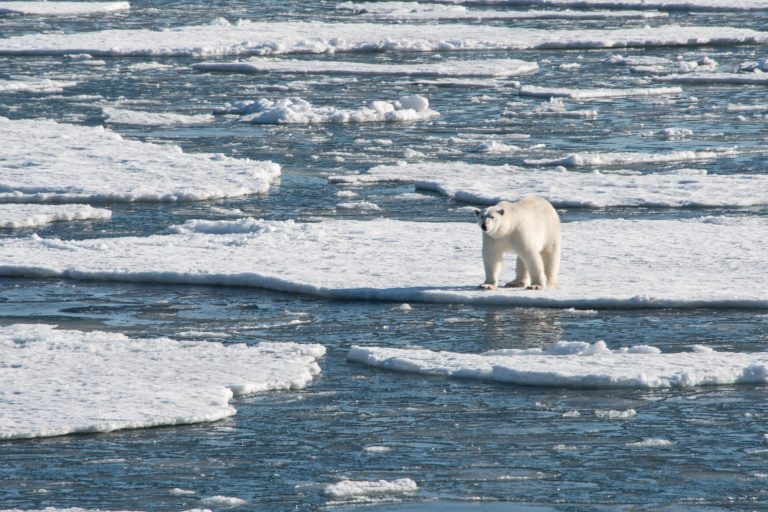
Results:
221 38
499 68
17 216
596 159
299 111
601 93
59 382
36 85
62 8
488 185
222 502
353 488
610 263
600 371
136 117
45 161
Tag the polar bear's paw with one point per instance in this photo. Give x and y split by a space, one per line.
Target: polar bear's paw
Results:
516 284
488 286
535 287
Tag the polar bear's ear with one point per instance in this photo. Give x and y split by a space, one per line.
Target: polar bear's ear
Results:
500 211
477 212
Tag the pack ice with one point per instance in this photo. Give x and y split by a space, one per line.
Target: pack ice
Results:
17 216
56 382
62 8
45 161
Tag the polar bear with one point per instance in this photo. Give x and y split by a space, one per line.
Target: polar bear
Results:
531 229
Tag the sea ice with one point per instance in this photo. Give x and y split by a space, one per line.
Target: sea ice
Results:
715 5
631 263
36 85
17 216
353 488
45 161
421 11
586 94
58 382
135 117
596 159
488 184
602 370
300 111
499 68
757 78
58 8
221 38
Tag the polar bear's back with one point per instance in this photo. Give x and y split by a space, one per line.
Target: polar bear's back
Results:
535 219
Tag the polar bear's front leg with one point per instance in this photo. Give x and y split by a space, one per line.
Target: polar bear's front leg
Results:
492 258
522 279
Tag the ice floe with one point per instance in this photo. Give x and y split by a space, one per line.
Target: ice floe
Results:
659 65
264 38
596 159
758 78
354 488
45 161
58 382
421 11
36 85
300 111
17 216
605 369
631 263
499 68
487 184
135 117
717 5
586 94
58 8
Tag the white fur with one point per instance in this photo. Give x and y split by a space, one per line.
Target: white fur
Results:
531 229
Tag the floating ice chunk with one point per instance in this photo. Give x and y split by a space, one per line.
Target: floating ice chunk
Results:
652 442
556 108
353 488
583 94
499 68
495 147
611 263
44 161
300 111
420 11
222 502
358 205
218 227
615 415
36 85
659 65
623 159
673 133
60 382
714 5
489 184
135 117
272 38
17 216
602 370
759 65
718 78
62 8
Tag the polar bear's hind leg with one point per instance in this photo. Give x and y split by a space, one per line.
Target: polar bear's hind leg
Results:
522 279
552 264
535 265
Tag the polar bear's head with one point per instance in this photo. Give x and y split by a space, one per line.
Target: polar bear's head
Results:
489 219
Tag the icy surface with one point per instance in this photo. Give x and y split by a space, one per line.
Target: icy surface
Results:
257 38
488 184
499 68
605 369
595 159
606 263
724 5
58 8
422 11
38 85
300 111
135 117
44 161
351 488
757 78
58 382
17 216
582 94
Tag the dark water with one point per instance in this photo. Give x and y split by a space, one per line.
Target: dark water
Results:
468 445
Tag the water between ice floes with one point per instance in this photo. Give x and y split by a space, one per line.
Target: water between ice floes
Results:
465 444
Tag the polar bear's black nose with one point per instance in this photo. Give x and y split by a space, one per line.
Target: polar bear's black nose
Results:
485 228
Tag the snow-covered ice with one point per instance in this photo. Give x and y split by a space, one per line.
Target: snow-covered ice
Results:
58 8
587 94
602 370
17 216
222 502
758 78
136 117
423 11
711 262
717 5
45 161
221 38
596 159
353 488
488 184
300 111
36 85
499 68
58 382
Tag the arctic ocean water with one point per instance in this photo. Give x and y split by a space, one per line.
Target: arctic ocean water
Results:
468 445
